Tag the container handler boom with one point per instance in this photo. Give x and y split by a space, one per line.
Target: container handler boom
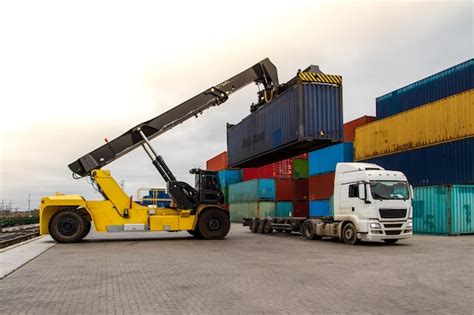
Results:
68 217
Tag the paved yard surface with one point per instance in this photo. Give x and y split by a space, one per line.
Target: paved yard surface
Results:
246 273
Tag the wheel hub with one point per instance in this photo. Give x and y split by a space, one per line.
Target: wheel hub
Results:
214 224
349 234
67 226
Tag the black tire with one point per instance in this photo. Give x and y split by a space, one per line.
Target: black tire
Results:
195 233
308 231
260 226
267 226
87 228
213 224
349 234
288 231
254 226
67 226
390 241
279 230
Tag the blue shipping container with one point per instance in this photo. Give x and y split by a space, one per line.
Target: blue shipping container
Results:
442 164
302 118
443 209
324 160
229 177
451 81
252 190
320 208
284 209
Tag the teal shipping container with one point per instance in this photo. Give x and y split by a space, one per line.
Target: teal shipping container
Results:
258 209
252 190
445 210
229 177
284 209
325 160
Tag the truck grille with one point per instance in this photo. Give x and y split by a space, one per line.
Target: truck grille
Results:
393 225
393 213
393 232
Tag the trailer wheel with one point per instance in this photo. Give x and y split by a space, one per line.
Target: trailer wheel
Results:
279 230
67 226
254 226
390 241
267 226
260 227
213 224
308 231
349 234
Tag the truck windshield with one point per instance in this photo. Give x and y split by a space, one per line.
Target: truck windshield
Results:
383 190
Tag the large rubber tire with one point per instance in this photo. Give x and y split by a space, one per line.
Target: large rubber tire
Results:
87 228
308 231
390 241
349 234
195 233
260 226
67 226
213 224
267 226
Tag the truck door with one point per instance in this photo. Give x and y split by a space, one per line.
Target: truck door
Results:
354 205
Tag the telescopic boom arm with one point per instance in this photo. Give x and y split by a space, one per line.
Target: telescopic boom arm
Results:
263 72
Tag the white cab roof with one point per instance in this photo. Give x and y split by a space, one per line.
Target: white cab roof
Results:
355 166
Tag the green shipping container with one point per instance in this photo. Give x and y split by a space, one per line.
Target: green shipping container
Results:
259 209
225 192
300 168
443 209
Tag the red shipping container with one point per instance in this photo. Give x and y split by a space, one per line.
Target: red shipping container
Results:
218 163
283 169
301 191
300 209
350 127
321 186
292 189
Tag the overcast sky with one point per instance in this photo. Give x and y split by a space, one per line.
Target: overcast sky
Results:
74 73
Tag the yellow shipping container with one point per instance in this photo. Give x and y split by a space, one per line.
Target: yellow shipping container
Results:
445 120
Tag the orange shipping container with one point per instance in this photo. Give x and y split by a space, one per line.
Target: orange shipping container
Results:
218 163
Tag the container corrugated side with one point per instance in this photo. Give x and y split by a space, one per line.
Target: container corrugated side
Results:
451 81
321 186
325 160
445 120
304 117
252 190
442 164
350 127
229 177
443 209
258 209
217 163
320 208
284 209
300 168
300 209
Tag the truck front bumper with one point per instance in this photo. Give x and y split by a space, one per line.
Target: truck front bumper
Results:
384 230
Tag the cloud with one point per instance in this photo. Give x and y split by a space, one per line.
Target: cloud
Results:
72 76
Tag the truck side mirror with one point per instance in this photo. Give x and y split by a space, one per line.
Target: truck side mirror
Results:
412 192
362 192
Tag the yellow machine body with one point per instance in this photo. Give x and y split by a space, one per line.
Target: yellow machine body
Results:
118 210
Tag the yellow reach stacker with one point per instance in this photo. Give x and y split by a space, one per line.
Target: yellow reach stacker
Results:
68 218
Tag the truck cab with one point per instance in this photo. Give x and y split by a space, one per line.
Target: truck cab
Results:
376 201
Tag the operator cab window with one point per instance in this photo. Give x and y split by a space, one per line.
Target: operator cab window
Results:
354 191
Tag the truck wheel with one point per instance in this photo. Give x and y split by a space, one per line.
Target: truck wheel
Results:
67 226
254 226
308 231
349 234
213 224
260 227
279 230
267 226
87 228
390 241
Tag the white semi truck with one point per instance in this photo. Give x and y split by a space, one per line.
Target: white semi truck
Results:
370 203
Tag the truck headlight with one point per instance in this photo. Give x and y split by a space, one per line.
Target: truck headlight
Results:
409 224
375 225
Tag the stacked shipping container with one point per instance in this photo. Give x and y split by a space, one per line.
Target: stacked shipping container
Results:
426 131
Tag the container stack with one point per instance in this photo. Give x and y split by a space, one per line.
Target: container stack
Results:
252 198
322 167
226 176
426 131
